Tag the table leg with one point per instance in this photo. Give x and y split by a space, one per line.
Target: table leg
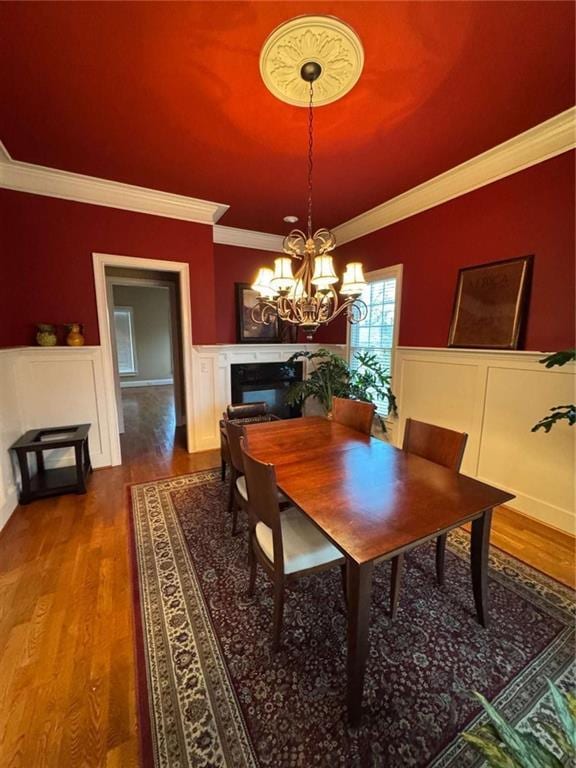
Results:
25 495
479 547
80 477
39 462
87 462
359 589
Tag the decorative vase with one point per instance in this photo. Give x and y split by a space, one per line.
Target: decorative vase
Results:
46 335
75 337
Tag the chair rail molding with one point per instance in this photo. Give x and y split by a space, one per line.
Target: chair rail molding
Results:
546 140
497 397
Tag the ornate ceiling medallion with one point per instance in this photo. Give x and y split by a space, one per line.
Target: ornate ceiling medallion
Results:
309 299
321 39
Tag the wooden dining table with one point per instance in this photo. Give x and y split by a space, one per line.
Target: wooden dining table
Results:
373 501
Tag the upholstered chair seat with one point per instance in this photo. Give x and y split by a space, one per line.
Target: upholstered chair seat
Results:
304 546
243 490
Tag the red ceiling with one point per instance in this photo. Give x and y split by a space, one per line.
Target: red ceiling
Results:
169 96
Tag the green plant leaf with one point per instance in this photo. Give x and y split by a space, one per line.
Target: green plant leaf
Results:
515 741
558 413
544 758
329 376
565 716
559 358
571 703
558 737
496 755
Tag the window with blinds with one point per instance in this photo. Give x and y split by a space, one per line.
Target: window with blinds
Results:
376 333
125 350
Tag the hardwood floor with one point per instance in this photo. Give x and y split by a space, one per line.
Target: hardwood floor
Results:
67 674
67 668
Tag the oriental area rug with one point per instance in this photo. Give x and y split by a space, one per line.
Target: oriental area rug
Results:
212 692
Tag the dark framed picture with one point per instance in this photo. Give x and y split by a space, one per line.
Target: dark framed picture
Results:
249 331
490 304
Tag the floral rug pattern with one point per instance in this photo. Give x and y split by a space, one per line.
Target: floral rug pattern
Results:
218 696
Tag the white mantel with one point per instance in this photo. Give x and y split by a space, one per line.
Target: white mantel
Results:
211 377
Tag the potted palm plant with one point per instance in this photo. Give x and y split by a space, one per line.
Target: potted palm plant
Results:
331 376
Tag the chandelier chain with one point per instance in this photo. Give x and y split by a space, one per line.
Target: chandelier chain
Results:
308 299
310 160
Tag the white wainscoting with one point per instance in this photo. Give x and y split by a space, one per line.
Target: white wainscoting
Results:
10 430
212 388
496 397
59 386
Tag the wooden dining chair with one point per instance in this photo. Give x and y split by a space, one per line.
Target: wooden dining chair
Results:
355 414
238 493
442 446
246 412
286 544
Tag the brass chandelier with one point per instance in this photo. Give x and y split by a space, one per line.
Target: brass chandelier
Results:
308 298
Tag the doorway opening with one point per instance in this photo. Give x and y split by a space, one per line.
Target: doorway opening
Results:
146 342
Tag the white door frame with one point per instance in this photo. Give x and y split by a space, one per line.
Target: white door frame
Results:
100 262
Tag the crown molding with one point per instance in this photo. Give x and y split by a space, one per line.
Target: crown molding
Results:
247 238
552 137
546 140
51 182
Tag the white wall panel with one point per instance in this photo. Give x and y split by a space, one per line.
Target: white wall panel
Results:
443 394
538 467
59 386
496 397
10 430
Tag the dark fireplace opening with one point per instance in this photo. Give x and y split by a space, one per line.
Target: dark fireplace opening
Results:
268 382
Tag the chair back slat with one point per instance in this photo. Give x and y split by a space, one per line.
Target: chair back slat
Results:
438 444
355 414
234 433
263 503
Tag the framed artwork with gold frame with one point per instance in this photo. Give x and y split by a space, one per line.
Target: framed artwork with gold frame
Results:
490 304
248 331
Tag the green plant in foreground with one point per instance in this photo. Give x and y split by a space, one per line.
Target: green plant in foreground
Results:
503 746
558 412
332 377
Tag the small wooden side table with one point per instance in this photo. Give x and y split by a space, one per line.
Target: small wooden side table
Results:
60 480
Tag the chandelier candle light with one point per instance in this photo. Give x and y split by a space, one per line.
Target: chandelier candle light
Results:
308 299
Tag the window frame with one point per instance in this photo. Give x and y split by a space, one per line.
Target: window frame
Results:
386 273
130 312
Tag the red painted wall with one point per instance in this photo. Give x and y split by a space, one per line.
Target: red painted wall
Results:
531 212
46 262
240 265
